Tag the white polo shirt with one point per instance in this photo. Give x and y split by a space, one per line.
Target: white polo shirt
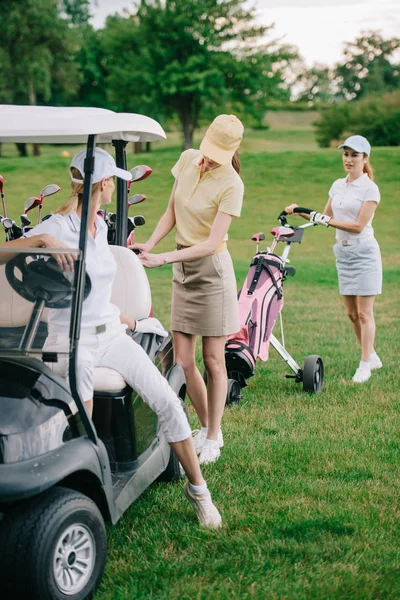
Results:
347 200
100 264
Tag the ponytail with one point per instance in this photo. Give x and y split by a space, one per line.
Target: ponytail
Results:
368 169
236 161
76 197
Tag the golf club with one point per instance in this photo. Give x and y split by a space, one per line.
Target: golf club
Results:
2 195
139 173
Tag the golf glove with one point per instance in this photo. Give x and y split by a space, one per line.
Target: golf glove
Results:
150 325
319 218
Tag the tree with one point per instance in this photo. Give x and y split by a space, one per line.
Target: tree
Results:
77 11
375 117
315 85
37 52
190 59
366 68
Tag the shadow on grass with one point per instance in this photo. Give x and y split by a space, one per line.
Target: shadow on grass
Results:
313 529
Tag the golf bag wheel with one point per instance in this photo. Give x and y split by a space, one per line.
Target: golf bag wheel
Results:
233 395
52 547
313 374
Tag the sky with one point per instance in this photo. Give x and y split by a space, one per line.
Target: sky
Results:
317 27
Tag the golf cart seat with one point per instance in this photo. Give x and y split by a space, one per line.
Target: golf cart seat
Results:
131 293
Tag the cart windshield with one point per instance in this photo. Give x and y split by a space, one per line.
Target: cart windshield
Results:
36 287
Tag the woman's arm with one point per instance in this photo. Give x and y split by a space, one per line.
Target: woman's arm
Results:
163 227
65 261
367 210
327 210
218 231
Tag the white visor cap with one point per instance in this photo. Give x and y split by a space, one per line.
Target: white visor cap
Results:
104 166
357 143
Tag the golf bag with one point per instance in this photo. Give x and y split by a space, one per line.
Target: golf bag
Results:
260 302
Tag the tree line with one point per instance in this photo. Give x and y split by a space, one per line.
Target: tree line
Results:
177 61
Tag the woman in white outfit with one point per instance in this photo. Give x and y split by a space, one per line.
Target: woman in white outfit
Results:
350 209
104 341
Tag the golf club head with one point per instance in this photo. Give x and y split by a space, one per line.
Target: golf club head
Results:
31 202
258 237
136 199
139 220
283 231
49 190
7 223
25 221
140 172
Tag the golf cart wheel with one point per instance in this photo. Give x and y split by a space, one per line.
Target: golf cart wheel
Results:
313 374
52 547
233 395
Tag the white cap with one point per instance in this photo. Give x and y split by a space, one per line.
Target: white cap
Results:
104 166
357 143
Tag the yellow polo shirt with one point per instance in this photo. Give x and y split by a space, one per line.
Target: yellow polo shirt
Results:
197 200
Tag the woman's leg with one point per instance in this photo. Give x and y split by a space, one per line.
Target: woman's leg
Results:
185 356
365 309
217 382
130 360
350 303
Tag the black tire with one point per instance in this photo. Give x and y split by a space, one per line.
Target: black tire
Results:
234 394
41 539
313 374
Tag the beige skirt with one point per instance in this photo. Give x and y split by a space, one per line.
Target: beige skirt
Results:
204 296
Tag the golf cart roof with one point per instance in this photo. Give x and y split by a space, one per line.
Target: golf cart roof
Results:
63 125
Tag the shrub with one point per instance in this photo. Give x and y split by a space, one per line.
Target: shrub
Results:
376 117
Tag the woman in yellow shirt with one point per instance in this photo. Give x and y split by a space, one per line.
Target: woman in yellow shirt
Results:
207 193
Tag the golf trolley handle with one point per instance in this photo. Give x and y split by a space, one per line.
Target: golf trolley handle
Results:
299 209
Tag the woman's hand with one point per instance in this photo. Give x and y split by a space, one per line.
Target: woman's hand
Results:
64 261
152 260
146 247
289 209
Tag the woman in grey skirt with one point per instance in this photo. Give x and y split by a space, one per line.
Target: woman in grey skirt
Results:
207 194
350 209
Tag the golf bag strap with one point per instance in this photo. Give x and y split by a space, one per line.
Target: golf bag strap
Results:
240 346
264 262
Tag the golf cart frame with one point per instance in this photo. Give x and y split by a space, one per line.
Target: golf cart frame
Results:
82 464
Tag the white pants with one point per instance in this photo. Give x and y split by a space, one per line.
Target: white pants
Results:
114 349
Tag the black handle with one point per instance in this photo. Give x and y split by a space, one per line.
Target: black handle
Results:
299 209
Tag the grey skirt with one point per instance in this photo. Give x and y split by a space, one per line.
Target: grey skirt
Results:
359 268
204 296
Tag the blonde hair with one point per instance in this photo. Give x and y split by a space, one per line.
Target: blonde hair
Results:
367 168
76 197
236 161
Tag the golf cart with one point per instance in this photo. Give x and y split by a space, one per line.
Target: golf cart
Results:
63 474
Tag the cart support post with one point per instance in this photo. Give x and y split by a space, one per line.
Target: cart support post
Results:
122 195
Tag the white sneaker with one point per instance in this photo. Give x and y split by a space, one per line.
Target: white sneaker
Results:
362 374
209 454
199 437
374 361
206 511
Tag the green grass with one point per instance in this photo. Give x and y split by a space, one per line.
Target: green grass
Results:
308 485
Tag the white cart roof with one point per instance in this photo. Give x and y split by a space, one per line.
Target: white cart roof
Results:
63 125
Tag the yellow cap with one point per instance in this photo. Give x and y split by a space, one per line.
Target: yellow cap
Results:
222 139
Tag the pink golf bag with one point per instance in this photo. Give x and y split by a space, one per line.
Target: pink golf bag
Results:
260 302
